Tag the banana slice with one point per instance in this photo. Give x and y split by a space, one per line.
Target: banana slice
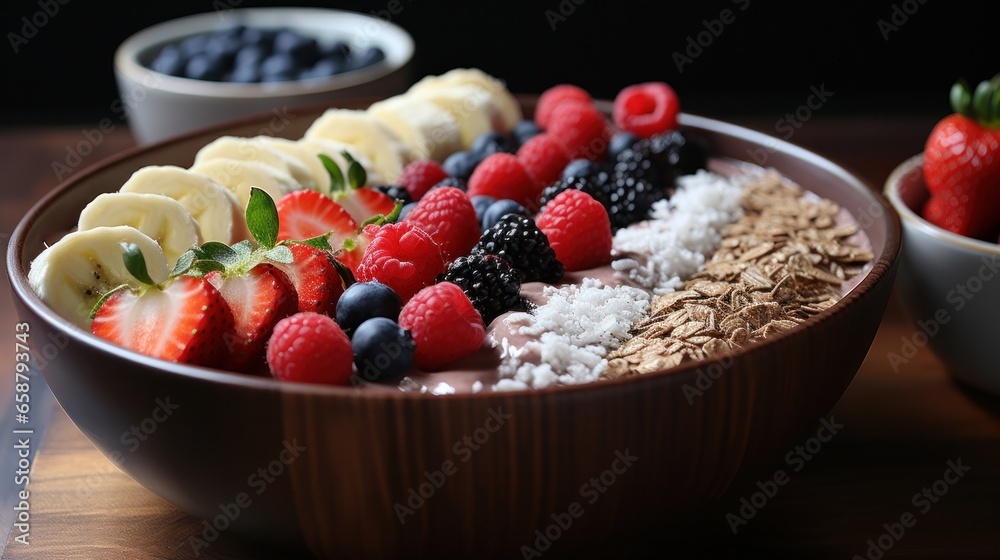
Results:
297 150
162 218
367 136
256 149
510 110
335 150
218 213
72 274
238 176
473 107
430 131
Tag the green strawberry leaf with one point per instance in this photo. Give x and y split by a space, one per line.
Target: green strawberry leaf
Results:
350 244
183 263
104 298
336 175
356 174
319 242
280 254
203 267
382 219
961 99
219 252
135 263
262 218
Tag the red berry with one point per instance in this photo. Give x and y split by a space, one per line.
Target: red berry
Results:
646 109
419 176
403 257
307 214
502 176
444 325
578 229
311 348
363 203
317 280
447 214
555 96
543 157
188 321
582 129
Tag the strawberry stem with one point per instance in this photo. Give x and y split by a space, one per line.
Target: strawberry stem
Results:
981 105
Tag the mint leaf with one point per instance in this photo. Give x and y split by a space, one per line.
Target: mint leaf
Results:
219 252
356 174
336 175
135 263
281 254
319 242
262 218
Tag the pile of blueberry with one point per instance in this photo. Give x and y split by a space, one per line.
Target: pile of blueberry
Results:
241 54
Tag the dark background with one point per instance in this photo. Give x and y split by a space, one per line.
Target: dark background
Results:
762 64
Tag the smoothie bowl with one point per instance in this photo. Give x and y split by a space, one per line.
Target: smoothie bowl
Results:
437 463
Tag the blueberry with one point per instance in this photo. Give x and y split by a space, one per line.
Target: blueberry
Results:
382 349
260 37
583 168
326 67
203 66
224 47
459 184
481 203
339 49
406 209
368 57
491 142
461 164
499 209
251 55
524 131
194 44
230 31
619 143
364 300
278 68
245 74
305 50
170 61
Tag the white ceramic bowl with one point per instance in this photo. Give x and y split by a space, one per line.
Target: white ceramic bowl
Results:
159 105
950 284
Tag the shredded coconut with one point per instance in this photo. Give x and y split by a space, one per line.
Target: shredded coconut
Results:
576 328
683 232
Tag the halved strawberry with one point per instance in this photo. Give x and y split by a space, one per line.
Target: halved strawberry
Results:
349 191
258 298
309 214
351 251
316 276
185 321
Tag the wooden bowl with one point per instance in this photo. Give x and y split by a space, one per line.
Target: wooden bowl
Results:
382 474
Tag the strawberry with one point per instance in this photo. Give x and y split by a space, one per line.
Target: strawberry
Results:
186 320
448 216
646 109
310 348
403 257
444 325
962 163
419 176
502 176
258 298
555 96
316 276
544 157
361 202
578 229
308 214
582 129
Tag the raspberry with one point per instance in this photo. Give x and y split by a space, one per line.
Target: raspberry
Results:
578 230
646 109
444 324
543 157
555 96
419 176
582 129
403 257
502 176
310 347
448 216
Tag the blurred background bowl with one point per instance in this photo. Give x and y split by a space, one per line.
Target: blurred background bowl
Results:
160 105
950 284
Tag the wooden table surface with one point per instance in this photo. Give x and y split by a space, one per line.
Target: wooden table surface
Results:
901 429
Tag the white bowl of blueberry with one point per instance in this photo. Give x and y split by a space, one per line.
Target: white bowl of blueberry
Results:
190 72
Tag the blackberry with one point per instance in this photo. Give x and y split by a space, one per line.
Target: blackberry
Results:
639 162
619 143
517 239
630 199
584 168
395 192
595 185
489 281
678 151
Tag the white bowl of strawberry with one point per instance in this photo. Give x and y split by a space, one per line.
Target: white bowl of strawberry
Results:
429 323
949 200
